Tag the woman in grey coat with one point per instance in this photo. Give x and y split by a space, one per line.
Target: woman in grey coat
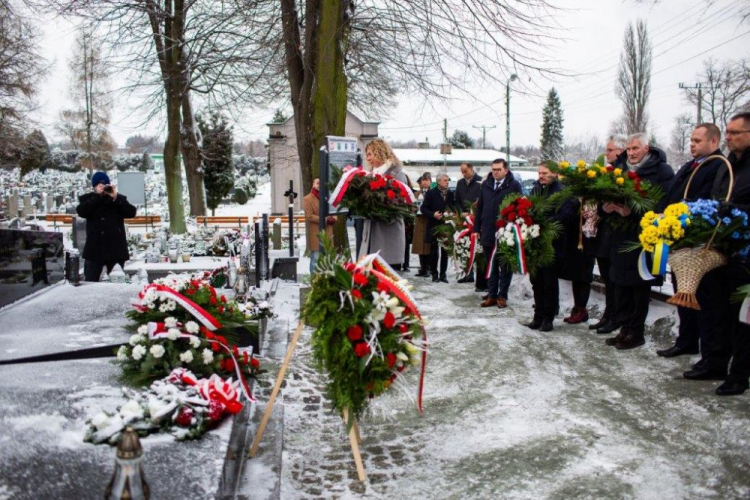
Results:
388 238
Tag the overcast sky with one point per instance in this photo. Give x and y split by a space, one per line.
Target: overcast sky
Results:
684 33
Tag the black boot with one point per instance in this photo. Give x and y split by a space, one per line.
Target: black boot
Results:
443 278
603 321
608 327
546 326
422 273
435 278
535 323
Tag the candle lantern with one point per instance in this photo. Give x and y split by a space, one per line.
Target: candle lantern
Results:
128 480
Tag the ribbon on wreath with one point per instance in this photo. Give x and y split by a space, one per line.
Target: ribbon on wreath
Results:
159 331
469 231
389 279
214 388
661 256
520 252
164 292
346 179
745 310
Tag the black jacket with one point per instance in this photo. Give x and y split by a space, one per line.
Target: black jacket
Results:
600 246
434 202
740 196
624 269
105 229
565 214
488 205
700 186
467 192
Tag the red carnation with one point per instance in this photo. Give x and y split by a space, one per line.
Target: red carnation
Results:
215 410
212 300
389 320
528 221
388 176
215 347
349 266
632 175
221 339
522 212
360 279
382 287
255 363
501 224
390 359
373 185
223 299
184 416
361 173
221 309
228 364
390 194
356 294
354 333
245 358
610 168
403 327
362 349
512 216
190 291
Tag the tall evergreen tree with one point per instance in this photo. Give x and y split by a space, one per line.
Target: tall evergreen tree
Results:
552 128
461 140
217 158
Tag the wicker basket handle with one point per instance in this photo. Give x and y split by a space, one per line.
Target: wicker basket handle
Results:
712 157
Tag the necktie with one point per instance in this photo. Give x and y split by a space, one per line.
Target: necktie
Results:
497 185
694 165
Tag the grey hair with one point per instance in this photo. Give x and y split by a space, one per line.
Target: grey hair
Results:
641 137
619 140
440 177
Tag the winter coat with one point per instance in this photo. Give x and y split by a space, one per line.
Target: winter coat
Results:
389 237
434 202
419 246
740 195
564 214
624 270
488 206
600 246
467 192
311 206
105 227
577 264
700 186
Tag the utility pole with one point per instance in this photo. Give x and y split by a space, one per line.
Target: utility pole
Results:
445 142
484 132
507 118
700 98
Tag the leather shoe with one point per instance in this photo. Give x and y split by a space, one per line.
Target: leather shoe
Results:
466 279
603 321
731 389
443 279
675 351
617 338
630 341
422 273
502 303
705 374
485 296
489 302
535 324
434 278
546 326
609 327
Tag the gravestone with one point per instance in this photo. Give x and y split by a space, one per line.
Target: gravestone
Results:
13 204
26 210
277 234
79 233
50 203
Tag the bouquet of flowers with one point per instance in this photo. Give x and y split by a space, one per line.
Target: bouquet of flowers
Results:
607 184
179 404
445 233
525 233
373 196
368 330
458 238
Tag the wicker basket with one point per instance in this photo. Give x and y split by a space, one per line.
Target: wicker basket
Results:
691 264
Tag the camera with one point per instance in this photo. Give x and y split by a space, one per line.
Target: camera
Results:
108 188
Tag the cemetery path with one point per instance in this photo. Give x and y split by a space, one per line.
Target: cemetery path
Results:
516 413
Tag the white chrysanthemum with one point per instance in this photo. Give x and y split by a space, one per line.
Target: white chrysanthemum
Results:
100 420
208 356
173 334
510 243
143 330
195 342
138 352
157 351
122 353
171 305
163 308
186 357
170 322
136 339
131 411
192 327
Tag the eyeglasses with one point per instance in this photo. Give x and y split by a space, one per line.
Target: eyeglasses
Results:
497 169
735 132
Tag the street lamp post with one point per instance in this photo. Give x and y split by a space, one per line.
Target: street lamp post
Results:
507 117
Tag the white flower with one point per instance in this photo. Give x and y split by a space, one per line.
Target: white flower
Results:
157 351
208 356
138 352
170 322
136 339
173 334
143 330
380 300
195 342
122 353
171 305
186 357
155 405
100 421
131 411
163 308
510 243
402 356
192 327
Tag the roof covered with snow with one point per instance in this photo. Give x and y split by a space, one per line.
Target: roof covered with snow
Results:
458 156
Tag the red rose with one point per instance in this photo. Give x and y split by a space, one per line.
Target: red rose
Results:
354 333
184 416
223 299
388 176
221 309
382 287
212 300
215 347
361 173
528 221
235 351
255 363
632 175
501 224
373 185
362 349
221 339
512 216
228 364
356 294
245 358
360 279
215 410
349 266
190 291
389 320
610 168
208 334
390 194
390 358
522 212
403 327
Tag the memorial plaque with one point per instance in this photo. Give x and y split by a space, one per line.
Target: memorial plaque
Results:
29 261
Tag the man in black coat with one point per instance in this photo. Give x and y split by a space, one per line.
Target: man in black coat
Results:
495 187
436 202
632 293
731 337
467 193
104 210
544 280
694 334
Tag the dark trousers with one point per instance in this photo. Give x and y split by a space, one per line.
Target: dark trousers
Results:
632 307
689 336
93 270
498 283
424 263
407 256
581 293
609 287
546 293
434 249
481 279
731 337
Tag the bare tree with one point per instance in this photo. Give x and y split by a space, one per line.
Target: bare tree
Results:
587 147
634 77
679 144
725 89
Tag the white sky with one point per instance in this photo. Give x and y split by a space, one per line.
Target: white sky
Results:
683 33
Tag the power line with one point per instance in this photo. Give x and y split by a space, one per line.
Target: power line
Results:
484 129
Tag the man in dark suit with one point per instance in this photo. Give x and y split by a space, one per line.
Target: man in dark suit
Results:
436 202
704 142
494 188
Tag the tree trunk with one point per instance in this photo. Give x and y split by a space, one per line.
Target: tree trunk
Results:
192 157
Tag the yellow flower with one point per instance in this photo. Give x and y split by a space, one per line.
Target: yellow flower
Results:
617 172
676 209
670 228
648 219
591 174
603 170
620 181
581 164
649 237
564 164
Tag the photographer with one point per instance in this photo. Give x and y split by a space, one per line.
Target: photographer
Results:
104 211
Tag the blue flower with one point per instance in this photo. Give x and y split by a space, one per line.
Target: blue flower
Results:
726 221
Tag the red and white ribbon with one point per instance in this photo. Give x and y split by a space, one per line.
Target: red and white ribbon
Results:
164 292
469 231
490 261
338 193
520 252
214 388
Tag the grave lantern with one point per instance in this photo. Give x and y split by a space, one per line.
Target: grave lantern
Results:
128 480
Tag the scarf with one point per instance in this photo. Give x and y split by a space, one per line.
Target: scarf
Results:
443 191
315 193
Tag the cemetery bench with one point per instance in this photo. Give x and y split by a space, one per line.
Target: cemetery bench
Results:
59 220
144 220
222 220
